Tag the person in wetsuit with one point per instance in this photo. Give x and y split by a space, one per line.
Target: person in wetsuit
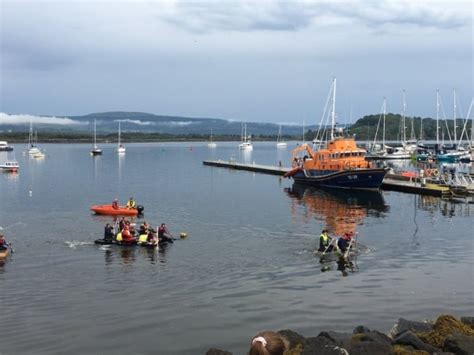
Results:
163 234
3 243
109 233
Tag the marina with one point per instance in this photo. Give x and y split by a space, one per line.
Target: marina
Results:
391 182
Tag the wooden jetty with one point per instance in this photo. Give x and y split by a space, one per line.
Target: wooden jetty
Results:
257 168
391 182
415 187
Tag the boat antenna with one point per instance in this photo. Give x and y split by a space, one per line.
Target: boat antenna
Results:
333 114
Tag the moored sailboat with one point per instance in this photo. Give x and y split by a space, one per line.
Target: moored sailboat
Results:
340 164
211 143
280 142
32 141
120 146
246 143
95 149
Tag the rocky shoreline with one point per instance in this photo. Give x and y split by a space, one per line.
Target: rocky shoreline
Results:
445 335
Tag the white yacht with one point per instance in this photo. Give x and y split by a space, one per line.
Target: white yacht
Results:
246 143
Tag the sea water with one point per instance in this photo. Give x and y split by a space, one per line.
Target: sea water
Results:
247 265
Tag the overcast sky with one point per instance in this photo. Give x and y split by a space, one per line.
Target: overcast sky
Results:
268 61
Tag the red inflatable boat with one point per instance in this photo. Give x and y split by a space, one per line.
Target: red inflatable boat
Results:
110 211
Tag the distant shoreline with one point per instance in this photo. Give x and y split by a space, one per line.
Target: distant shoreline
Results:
56 137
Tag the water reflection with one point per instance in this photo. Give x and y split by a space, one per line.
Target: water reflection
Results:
462 207
121 162
245 156
10 175
95 163
128 254
340 210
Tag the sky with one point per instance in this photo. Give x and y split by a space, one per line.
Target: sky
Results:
262 61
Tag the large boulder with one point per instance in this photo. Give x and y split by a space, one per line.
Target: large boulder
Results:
340 339
369 347
403 325
322 345
408 338
459 344
374 336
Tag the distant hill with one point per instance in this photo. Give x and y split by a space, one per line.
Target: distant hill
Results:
191 127
140 122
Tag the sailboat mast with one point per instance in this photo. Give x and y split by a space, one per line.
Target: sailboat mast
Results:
437 117
384 112
30 135
454 115
95 134
404 134
119 135
333 114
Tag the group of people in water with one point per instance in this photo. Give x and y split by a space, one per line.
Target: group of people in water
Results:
341 245
145 235
328 243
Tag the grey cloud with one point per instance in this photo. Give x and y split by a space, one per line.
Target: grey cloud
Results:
205 17
238 16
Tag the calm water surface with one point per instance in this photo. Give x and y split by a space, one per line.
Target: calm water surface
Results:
247 265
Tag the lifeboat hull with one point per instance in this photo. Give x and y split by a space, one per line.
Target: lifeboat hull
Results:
367 179
108 210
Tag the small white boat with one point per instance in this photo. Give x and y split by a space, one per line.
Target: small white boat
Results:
4 147
120 147
10 166
38 155
246 146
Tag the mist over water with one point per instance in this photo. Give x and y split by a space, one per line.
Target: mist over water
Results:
247 265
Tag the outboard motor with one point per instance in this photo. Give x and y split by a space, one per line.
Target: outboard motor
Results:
140 209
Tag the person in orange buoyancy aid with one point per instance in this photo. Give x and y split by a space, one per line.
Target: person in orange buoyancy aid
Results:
127 236
115 205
